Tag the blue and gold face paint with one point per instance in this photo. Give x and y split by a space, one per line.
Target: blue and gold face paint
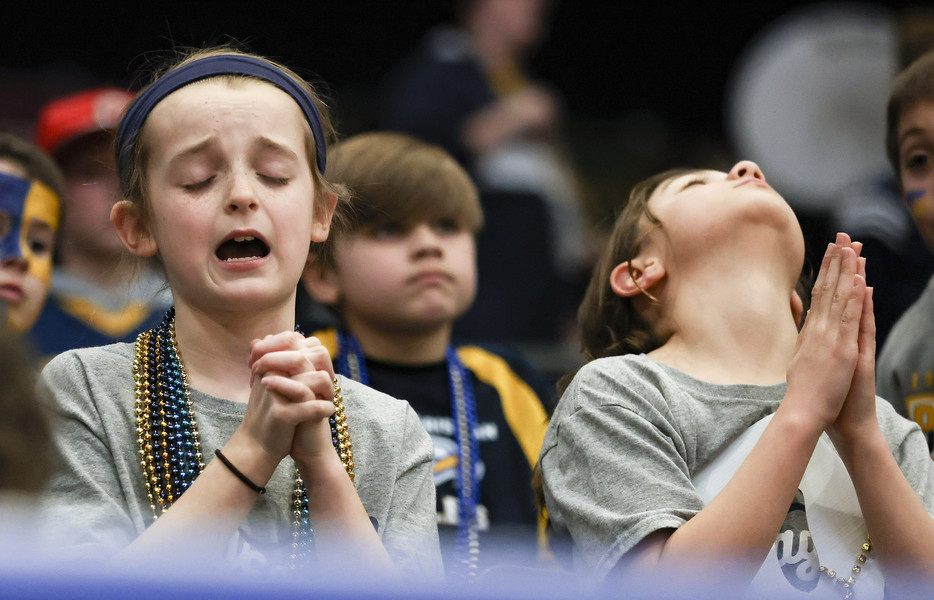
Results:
30 213
911 199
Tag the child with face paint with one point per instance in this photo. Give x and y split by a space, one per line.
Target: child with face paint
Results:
223 435
906 363
680 449
30 212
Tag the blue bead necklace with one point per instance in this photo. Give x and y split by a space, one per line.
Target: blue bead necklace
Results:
167 433
351 363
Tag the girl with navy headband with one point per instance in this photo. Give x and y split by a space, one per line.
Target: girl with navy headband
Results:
224 434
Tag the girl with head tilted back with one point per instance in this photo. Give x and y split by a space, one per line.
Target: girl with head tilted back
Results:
701 431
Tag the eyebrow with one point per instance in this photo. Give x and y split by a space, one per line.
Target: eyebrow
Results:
269 144
911 132
692 174
36 223
192 150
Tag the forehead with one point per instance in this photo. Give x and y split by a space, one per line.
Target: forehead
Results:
917 118
228 106
12 167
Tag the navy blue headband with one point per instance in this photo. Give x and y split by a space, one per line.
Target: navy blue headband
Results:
223 64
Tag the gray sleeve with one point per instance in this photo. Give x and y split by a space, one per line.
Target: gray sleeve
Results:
84 507
910 449
888 381
411 532
614 474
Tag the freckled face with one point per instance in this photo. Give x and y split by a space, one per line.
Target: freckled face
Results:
233 201
29 218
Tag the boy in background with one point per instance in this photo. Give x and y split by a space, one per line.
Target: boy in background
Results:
399 267
96 296
906 362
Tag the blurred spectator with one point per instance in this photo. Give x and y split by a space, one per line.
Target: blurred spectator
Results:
466 90
95 298
30 213
25 456
874 212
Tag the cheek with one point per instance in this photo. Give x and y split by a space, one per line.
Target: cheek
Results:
39 267
23 316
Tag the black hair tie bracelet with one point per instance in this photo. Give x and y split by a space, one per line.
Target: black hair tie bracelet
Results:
240 476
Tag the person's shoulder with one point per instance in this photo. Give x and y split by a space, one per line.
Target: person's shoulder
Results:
912 331
371 405
613 368
381 423
489 356
611 380
97 358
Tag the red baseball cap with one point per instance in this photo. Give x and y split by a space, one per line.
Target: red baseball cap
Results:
71 117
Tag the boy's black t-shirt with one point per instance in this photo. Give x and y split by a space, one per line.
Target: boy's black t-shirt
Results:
506 511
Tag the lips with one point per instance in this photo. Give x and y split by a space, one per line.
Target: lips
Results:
11 292
430 277
754 181
242 247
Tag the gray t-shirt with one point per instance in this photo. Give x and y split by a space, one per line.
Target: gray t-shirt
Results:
97 501
905 370
630 434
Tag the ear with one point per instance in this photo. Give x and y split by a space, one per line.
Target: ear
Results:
325 203
797 308
636 276
132 230
320 282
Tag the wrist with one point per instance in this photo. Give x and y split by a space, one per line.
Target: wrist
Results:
252 460
800 419
854 443
321 469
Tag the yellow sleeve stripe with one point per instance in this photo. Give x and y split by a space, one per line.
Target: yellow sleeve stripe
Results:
328 339
521 406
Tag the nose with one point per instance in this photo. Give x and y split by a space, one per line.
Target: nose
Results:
15 263
744 169
241 197
425 241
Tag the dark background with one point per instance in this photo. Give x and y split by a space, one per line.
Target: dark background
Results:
643 82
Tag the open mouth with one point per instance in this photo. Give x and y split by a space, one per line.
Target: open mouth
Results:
242 248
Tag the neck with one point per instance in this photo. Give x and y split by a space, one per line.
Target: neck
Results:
215 346
740 333
403 346
107 272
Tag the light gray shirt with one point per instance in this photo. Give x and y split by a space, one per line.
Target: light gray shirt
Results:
630 434
98 503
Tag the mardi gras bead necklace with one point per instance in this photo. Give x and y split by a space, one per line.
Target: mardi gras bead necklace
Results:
167 433
847 584
351 363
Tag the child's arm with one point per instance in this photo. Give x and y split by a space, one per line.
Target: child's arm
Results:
217 501
901 529
740 524
340 521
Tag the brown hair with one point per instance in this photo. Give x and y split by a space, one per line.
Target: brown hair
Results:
611 325
133 184
396 179
33 161
914 84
